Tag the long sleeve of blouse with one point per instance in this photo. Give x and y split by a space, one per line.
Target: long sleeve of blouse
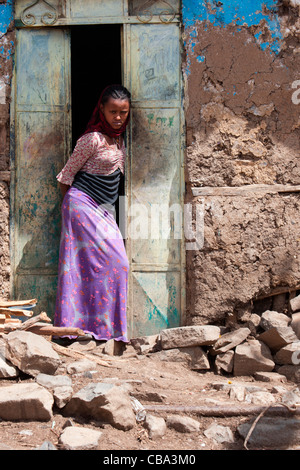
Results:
94 155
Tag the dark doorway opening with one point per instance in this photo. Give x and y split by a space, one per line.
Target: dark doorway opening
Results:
96 62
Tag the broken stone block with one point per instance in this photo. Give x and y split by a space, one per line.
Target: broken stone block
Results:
183 423
77 367
270 319
289 354
251 357
272 433
79 438
31 353
295 303
253 323
278 337
295 324
219 433
194 357
7 370
269 377
53 381
237 392
146 344
62 395
225 361
187 336
25 401
229 341
113 347
291 372
261 398
156 426
105 402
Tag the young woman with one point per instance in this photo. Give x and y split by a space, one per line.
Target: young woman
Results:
93 266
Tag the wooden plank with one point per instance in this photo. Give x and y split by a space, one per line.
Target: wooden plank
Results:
17 303
16 312
50 330
250 190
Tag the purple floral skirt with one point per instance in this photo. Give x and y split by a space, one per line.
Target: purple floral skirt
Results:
93 270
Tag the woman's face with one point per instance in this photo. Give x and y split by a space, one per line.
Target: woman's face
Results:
115 112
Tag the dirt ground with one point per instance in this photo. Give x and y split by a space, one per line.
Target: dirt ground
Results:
174 383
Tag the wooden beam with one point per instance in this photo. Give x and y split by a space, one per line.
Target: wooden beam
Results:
250 190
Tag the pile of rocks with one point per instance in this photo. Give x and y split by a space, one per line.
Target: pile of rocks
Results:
269 342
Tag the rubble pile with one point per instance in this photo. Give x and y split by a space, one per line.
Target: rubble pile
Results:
266 343
37 381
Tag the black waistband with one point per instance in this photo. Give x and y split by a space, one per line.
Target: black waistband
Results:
104 189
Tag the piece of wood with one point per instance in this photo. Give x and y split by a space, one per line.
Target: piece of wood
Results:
37 318
17 303
225 410
42 329
16 312
246 190
78 355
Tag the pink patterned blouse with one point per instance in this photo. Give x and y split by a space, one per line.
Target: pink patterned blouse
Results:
92 154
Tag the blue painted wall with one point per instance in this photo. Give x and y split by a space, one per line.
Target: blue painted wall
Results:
6 16
241 13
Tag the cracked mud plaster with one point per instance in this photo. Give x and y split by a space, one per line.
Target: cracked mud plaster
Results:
242 128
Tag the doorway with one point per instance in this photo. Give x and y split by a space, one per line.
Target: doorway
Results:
96 62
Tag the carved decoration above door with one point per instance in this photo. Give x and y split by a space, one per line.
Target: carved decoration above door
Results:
39 12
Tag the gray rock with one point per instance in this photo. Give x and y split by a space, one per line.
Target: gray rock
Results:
156 426
77 367
7 370
105 402
252 357
291 372
295 303
194 357
25 401
278 337
229 341
53 381
272 433
291 398
113 347
288 354
269 377
270 319
295 324
146 344
79 438
219 433
261 398
225 361
62 395
187 336
183 423
31 353
46 446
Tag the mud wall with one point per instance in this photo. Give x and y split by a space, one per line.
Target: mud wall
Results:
242 107
7 41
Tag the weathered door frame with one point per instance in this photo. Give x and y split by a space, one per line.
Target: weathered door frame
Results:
53 18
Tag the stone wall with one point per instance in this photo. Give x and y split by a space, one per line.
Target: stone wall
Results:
242 106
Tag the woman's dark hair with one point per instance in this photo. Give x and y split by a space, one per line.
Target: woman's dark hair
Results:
117 92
